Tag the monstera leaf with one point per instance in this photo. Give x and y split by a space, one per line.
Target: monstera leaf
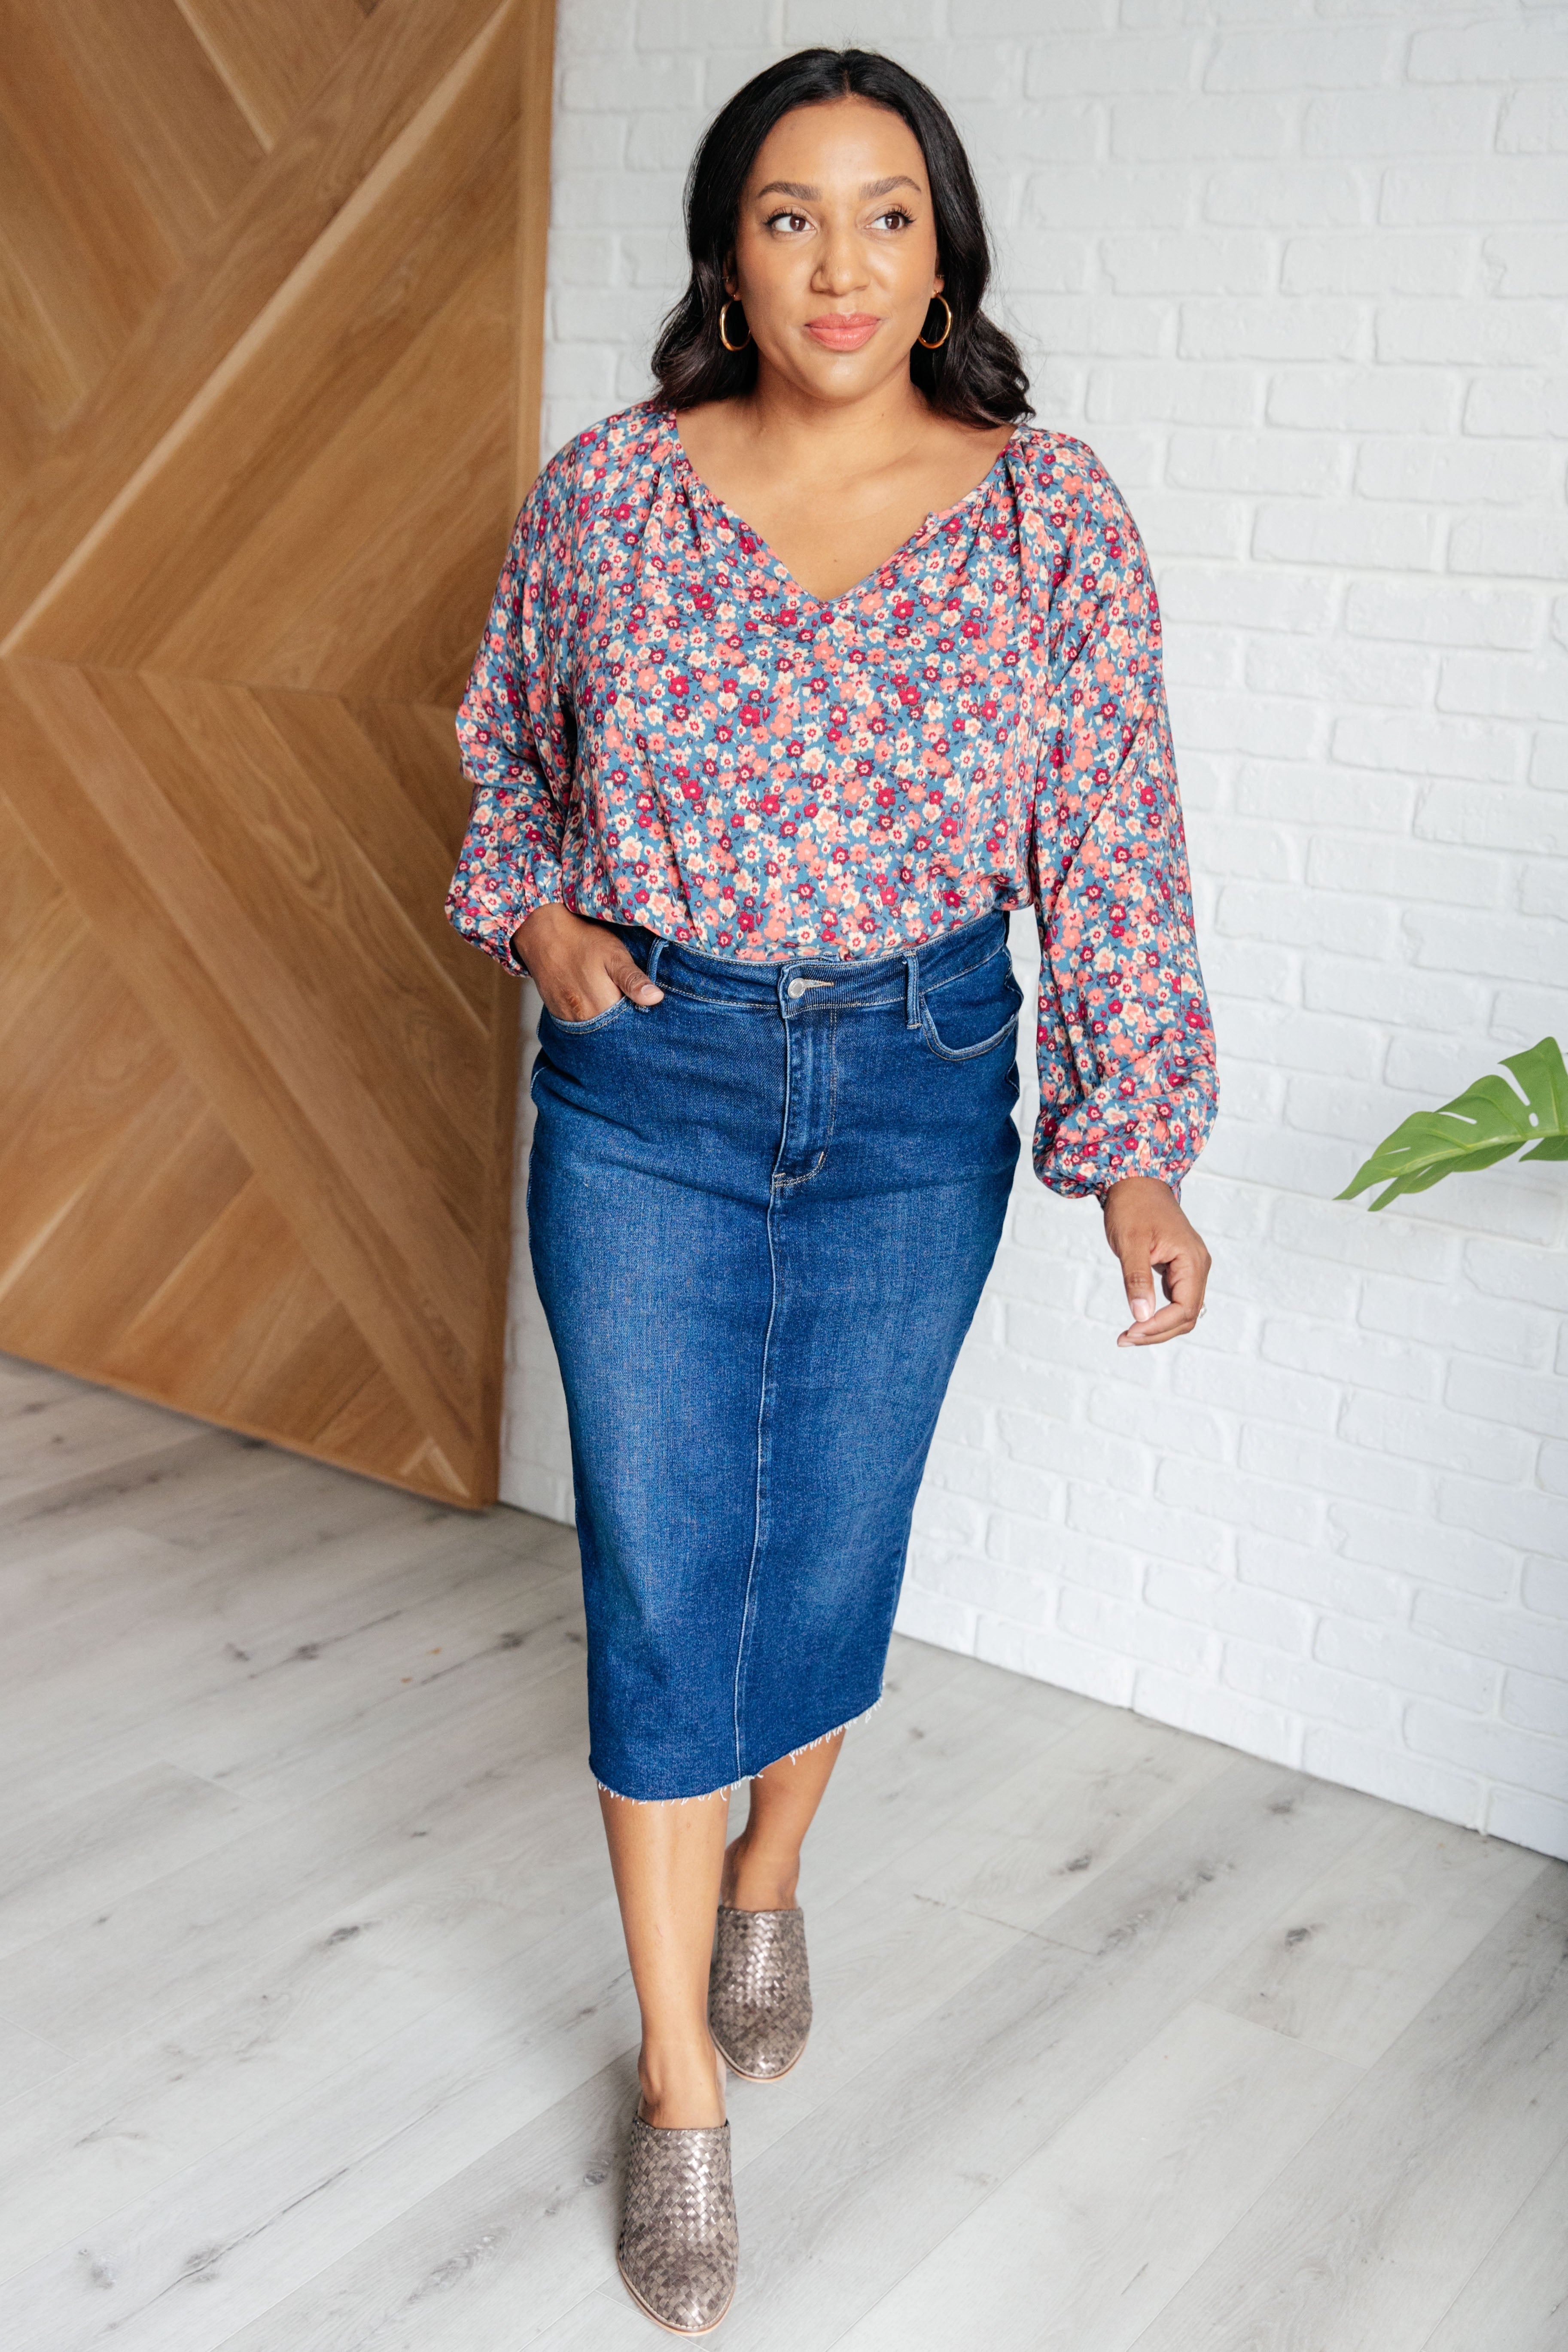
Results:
1484 1124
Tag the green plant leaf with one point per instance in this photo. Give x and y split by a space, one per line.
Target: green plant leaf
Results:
1485 1124
1544 1079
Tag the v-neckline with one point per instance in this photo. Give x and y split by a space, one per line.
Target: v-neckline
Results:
933 521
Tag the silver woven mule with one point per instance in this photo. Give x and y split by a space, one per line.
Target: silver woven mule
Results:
758 1991
679 2250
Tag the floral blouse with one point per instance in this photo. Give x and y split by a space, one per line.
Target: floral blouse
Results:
663 729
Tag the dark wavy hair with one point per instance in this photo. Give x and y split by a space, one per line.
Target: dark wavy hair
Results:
976 376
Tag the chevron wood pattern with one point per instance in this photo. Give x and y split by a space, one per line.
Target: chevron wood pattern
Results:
270 284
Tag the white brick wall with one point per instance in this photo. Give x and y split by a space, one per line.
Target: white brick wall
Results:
1297 273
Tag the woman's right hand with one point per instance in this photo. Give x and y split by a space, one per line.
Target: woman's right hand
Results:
580 968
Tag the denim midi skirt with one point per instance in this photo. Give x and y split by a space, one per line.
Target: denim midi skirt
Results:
761 1215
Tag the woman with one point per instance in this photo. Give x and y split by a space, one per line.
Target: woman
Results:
800 677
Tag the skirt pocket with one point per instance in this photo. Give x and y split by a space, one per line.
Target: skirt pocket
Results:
959 1021
582 1028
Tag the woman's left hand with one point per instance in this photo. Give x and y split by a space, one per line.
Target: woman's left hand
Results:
1147 1228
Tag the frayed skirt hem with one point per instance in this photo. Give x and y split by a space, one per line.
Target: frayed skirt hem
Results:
727 1788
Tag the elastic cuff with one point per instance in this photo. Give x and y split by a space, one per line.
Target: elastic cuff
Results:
538 891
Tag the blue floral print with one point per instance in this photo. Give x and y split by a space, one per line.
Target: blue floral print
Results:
663 729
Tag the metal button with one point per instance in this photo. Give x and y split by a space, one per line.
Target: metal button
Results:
795 988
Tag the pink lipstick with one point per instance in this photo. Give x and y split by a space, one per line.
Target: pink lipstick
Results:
842 331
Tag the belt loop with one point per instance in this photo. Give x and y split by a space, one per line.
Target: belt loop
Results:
654 954
912 991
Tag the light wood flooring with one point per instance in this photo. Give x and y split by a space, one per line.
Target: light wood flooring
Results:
316 2033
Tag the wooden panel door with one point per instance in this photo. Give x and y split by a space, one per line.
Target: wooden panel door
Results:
270 284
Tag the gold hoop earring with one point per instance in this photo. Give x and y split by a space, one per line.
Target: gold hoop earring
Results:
724 337
946 331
